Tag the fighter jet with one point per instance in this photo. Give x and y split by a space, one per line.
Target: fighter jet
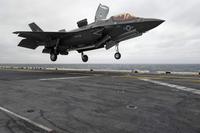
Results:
102 33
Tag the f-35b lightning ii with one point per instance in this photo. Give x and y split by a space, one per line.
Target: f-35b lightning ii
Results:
103 33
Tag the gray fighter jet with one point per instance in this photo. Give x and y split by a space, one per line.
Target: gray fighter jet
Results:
103 33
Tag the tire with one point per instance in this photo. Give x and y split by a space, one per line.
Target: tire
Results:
53 57
84 58
117 55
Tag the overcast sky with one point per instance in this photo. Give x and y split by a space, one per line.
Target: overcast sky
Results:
175 41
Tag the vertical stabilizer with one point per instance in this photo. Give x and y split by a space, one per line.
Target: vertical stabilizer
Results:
35 28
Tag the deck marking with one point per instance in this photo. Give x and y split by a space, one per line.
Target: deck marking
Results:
27 120
179 87
62 78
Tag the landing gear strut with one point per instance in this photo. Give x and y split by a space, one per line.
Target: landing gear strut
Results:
84 57
117 54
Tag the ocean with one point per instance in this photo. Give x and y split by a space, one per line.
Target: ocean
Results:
141 67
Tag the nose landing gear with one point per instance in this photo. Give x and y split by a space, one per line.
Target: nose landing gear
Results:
117 54
84 57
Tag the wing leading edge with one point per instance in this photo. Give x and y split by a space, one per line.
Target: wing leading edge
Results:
42 36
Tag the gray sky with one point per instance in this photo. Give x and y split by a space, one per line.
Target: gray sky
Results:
175 41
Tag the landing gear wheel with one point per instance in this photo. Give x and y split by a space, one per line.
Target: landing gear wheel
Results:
84 58
117 55
53 57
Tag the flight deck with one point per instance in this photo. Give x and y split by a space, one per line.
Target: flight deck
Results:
37 101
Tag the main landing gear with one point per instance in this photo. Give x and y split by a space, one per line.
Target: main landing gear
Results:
53 55
84 57
54 52
117 54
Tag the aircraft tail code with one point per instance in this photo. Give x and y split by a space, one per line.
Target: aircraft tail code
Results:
35 28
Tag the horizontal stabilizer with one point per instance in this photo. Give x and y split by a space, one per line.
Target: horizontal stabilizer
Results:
26 43
35 28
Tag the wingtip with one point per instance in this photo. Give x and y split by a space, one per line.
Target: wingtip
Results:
16 32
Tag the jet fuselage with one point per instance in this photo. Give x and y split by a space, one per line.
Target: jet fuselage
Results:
117 30
99 34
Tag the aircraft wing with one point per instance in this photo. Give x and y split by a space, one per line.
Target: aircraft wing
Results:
34 39
42 36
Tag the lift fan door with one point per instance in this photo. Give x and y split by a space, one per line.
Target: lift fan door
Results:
101 13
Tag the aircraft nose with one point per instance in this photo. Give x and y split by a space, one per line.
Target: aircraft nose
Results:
154 22
149 24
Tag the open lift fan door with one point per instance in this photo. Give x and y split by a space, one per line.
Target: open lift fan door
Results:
102 12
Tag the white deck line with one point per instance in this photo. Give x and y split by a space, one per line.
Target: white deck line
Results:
183 88
62 78
27 120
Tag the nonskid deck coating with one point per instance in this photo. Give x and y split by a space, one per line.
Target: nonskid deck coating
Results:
99 102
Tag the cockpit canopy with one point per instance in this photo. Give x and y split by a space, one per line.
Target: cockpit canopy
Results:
124 17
